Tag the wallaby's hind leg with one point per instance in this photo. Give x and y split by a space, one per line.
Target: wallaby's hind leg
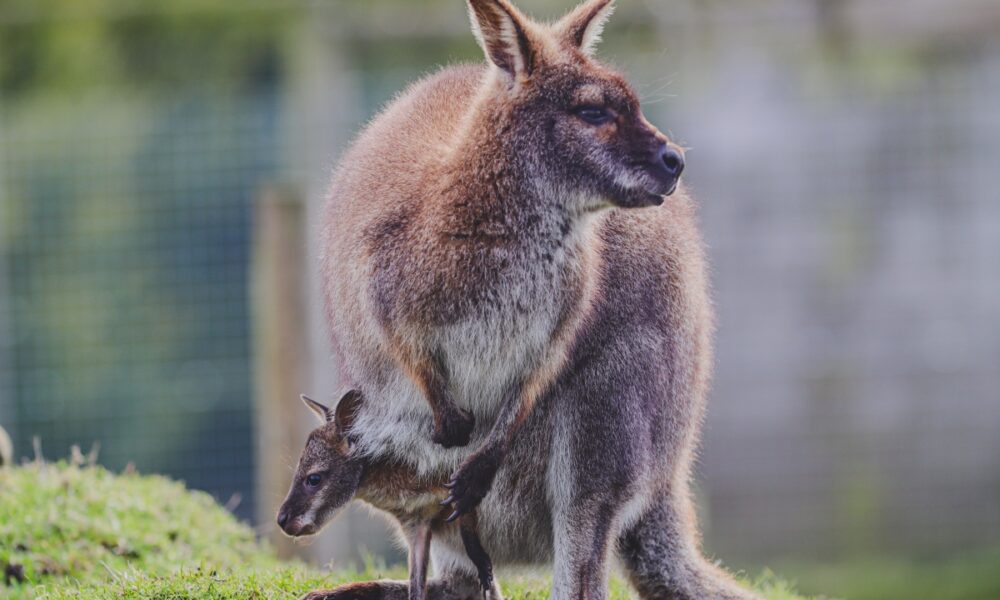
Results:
459 587
366 590
456 563
420 548
582 539
468 527
661 556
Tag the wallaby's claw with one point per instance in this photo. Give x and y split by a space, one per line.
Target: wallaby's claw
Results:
472 481
454 429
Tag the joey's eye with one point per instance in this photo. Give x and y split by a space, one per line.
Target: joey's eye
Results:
313 480
595 115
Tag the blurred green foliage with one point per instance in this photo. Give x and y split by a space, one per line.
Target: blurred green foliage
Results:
972 575
74 45
133 138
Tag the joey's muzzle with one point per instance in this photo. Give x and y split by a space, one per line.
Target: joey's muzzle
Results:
295 525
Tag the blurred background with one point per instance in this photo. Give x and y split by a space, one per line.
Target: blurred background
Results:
162 164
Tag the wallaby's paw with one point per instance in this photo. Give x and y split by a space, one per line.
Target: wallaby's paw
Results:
454 428
472 481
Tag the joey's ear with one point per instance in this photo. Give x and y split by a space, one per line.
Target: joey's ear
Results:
503 32
582 28
347 410
321 411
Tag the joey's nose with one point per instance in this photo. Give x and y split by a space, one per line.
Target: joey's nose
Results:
282 519
672 161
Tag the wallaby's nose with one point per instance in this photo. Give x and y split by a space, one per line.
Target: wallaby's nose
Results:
282 519
672 160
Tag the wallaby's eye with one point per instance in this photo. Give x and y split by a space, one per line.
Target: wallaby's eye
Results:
313 480
595 115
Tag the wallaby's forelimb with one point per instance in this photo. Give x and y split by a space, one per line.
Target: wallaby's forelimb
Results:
473 479
452 425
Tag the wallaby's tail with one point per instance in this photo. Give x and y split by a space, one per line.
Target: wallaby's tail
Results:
662 558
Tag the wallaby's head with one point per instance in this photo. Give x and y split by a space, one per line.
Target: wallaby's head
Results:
328 474
576 124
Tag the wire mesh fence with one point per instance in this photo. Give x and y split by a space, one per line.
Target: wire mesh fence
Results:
127 237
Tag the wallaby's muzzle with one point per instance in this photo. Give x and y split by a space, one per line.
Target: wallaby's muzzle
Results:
667 166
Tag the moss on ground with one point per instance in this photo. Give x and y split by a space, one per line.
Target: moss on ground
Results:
70 530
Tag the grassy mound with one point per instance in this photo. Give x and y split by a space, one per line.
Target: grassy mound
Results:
68 530
63 522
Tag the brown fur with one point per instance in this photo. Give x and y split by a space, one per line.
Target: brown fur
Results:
455 214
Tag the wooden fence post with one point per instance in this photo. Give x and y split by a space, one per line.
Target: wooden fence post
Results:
281 353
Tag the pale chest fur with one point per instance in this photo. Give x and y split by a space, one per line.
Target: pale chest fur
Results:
500 341
489 327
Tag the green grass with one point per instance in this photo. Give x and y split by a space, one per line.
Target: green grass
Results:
68 530
290 582
76 531
973 576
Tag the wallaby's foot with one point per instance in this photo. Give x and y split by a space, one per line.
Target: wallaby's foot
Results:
453 586
472 481
454 428
368 590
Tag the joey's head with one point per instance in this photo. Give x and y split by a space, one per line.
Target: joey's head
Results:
576 124
328 474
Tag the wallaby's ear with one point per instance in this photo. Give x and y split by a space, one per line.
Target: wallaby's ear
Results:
502 31
347 410
321 411
582 28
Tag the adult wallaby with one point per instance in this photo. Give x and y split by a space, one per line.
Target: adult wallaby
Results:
498 244
330 474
